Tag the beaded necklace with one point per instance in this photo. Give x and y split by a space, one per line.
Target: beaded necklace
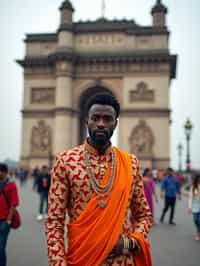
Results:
102 192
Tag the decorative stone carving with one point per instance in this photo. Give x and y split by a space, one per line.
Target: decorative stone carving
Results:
142 140
100 39
40 138
141 93
43 95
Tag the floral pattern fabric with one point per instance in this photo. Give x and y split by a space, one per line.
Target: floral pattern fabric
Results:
70 192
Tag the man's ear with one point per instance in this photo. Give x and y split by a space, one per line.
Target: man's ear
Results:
116 122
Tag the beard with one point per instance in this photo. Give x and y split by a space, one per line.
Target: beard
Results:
100 139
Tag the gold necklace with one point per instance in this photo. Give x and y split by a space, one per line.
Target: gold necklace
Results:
102 192
102 170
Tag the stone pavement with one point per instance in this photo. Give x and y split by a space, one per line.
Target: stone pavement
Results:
171 245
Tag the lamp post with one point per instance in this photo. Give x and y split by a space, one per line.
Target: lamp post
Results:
180 149
188 130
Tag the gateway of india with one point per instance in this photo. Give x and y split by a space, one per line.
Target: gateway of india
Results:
62 69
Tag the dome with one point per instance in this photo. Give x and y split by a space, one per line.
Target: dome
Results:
67 5
159 8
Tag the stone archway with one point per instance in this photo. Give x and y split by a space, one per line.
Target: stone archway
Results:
82 102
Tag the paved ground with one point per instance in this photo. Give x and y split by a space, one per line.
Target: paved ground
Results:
171 245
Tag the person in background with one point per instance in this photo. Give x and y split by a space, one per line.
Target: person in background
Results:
43 185
170 188
154 175
35 174
8 189
194 203
149 190
180 178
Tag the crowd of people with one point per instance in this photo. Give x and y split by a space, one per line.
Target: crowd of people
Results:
170 187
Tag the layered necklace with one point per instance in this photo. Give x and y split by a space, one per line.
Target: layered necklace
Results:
102 191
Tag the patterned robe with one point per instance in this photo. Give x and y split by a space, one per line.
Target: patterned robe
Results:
71 190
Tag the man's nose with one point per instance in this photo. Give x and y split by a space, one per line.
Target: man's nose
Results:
101 123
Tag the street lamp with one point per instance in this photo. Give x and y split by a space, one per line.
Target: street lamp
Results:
180 149
188 130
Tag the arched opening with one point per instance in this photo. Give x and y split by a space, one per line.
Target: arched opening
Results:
82 102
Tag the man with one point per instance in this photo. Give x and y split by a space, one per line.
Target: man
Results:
8 188
102 191
170 188
43 184
35 174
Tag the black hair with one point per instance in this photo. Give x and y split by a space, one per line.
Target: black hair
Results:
146 170
104 98
3 167
195 182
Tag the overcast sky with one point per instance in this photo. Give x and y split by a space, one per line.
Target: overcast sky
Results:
18 17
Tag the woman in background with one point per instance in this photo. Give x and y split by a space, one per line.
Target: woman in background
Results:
194 203
149 189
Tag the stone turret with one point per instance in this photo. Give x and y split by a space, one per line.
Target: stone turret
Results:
65 30
159 12
66 16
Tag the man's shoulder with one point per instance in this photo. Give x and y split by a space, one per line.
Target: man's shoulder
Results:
10 184
67 155
132 156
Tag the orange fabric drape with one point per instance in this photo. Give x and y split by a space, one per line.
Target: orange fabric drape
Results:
143 256
95 232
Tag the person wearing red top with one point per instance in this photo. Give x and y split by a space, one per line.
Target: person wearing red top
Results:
8 187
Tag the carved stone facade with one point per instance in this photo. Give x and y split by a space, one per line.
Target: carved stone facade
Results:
141 93
62 69
40 139
42 95
142 140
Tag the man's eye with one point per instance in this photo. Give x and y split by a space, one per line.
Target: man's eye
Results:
95 118
108 118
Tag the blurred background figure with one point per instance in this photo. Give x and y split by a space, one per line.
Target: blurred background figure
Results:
43 184
23 175
149 189
170 188
9 200
35 175
180 178
194 203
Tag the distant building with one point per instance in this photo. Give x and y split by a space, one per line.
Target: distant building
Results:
62 69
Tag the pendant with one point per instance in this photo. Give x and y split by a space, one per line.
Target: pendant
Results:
102 203
102 170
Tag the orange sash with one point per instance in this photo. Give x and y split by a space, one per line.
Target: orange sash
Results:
143 256
95 232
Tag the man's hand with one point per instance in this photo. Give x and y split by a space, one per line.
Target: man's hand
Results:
118 248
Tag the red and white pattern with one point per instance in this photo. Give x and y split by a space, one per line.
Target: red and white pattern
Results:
70 192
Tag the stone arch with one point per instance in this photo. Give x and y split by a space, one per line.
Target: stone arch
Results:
82 102
142 140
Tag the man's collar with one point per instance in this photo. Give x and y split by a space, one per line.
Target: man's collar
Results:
94 151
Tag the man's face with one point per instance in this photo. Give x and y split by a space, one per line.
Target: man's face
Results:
101 123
